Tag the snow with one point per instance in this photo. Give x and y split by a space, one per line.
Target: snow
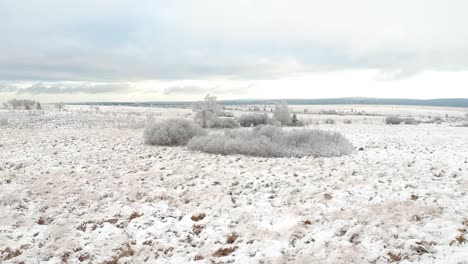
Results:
81 187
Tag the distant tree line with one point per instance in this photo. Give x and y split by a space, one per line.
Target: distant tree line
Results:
23 104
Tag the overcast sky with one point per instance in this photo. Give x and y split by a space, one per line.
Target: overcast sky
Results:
110 50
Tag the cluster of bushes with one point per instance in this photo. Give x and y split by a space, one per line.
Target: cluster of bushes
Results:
208 114
272 141
267 139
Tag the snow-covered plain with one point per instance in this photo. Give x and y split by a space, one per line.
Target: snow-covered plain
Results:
79 186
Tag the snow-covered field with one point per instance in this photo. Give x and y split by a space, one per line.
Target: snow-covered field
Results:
79 186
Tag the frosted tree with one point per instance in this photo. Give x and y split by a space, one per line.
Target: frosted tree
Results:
60 106
207 112
282 114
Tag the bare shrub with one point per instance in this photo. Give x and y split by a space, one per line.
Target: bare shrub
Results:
295 122
271 141
225 123
347 121
393 120
329 121
249 120
171 132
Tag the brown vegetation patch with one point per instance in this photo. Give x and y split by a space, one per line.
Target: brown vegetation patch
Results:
125 251
232 238
41 221
222 252
134 215
84 257
394 257
198 217
197 229
461 239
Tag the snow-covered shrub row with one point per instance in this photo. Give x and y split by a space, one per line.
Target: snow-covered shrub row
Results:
171 132
249 120
411 121
395 120
435 119
271 141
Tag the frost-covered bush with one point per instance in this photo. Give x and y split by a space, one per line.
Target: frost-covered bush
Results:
347 121
329 121
249 120
328 112
271 141
225 123
393 120
3 122
171 132
411 121
435 119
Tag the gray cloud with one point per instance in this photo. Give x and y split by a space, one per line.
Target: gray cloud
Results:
118 41
66 88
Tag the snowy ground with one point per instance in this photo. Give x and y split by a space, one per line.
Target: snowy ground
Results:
81 187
